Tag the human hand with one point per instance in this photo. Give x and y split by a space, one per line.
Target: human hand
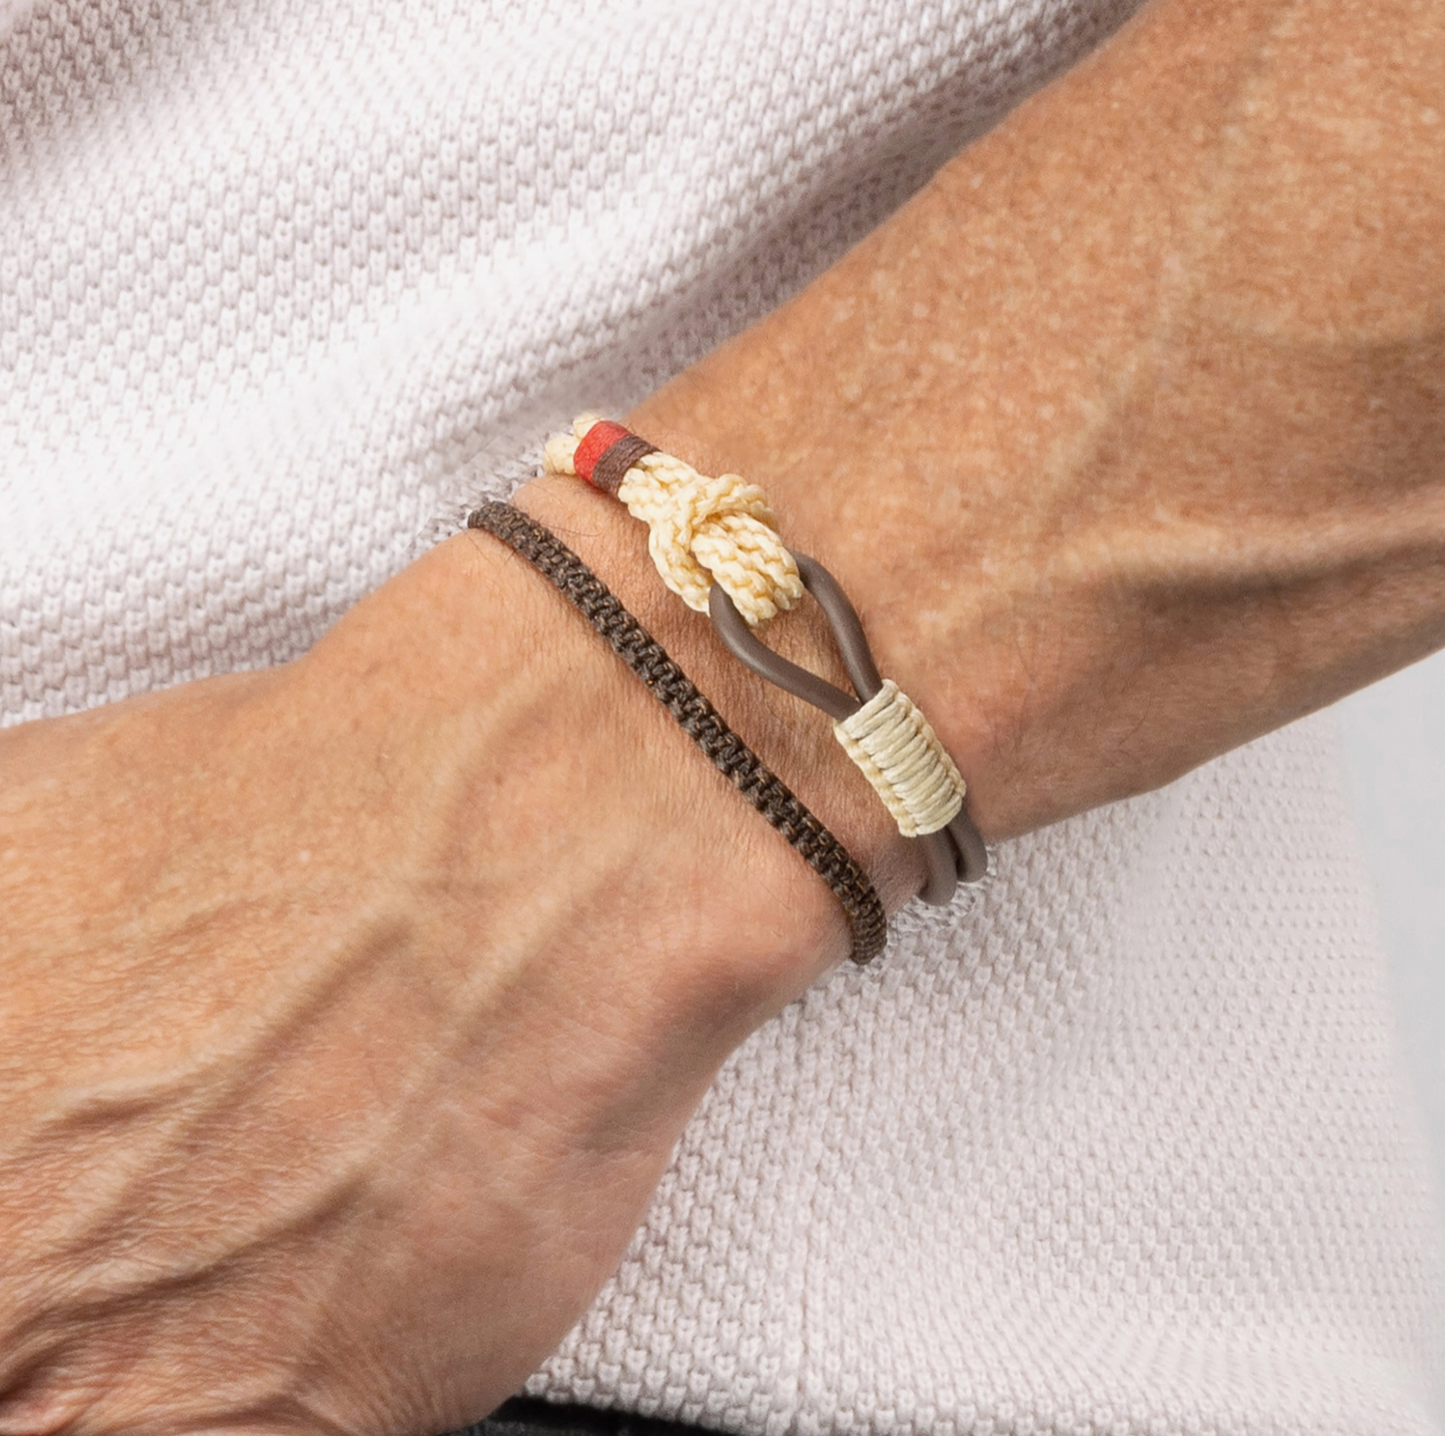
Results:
342 1047
352 1010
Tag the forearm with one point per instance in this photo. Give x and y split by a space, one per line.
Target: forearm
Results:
401 968
1125 435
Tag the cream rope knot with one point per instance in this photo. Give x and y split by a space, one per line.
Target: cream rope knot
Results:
700 530
896 749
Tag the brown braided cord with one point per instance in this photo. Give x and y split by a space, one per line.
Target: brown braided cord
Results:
696 716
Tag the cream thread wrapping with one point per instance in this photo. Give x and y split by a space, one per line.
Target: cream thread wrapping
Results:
896 749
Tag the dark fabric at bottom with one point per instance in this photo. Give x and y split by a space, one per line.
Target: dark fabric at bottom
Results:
524 1417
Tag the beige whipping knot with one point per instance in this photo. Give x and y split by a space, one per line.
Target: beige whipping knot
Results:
900 755
701 530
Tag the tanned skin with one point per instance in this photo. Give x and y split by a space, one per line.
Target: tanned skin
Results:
351 1010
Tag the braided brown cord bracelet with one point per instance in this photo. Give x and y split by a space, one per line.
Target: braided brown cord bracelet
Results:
696 717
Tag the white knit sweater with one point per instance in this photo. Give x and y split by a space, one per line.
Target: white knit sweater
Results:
283 282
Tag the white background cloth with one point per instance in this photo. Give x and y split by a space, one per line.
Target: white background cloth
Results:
281 281
1396 771
1119 1152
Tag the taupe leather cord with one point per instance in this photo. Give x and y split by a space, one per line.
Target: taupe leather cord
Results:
696 717
954 853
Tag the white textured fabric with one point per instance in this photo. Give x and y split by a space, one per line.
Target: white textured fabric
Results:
282 282
1121 1151
275 274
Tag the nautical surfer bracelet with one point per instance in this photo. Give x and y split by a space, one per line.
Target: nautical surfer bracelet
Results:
716 545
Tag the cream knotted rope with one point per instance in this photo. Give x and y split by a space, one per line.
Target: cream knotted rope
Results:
703 530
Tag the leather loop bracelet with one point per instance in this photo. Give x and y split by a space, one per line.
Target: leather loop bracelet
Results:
715 544
954 853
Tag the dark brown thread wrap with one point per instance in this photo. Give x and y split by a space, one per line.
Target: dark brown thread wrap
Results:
615 460
696 716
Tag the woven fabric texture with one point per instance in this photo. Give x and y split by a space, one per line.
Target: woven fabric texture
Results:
285 285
